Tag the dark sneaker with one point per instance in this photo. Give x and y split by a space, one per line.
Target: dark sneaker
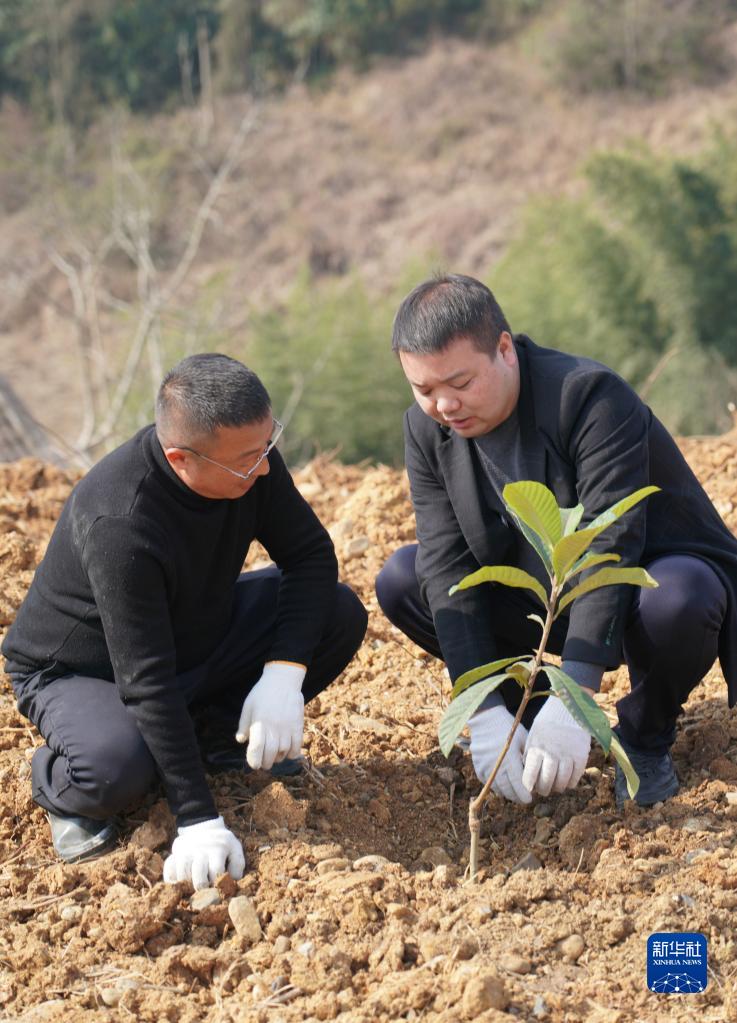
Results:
81 838
658 778
233 758
286 768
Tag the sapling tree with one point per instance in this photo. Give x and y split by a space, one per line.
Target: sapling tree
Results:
565 551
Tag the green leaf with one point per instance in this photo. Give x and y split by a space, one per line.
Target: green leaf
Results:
470 678
520 672
589 561
570 548
535 541
538 619
633 782
460 710
570 518
612 514
506 574
608 577
583 708
536 506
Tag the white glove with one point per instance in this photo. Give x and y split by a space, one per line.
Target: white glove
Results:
273 715
489 730
201 852
557 750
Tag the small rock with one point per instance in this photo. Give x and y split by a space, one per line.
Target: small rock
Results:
544 830
540 1008
356 547
696 824
571 948
444 875
482 993
684 900
330 866
24 770
528 862
245 919
436 855
306 949
205 897
731 798
71 913
594 773
110 996
282 944
695 854
514 963
371 862
448 776
543 810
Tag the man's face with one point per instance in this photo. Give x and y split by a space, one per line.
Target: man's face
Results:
463 388
234 448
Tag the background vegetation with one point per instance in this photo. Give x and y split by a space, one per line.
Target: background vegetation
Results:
639 271
70 57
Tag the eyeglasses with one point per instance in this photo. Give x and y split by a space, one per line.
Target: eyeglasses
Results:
277 431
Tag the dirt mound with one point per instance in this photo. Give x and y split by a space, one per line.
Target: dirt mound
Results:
353 906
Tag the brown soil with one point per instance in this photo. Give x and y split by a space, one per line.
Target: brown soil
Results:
354 905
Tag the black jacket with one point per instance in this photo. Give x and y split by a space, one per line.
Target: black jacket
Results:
137 586
590 439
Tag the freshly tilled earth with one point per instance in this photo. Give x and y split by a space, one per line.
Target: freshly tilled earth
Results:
354 906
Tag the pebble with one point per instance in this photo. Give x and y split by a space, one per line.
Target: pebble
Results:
513 963
694 824
245 919
24 770
359 545
335 863
371 862
73 913
444 875
695 854
571 948
543 810
540 1008
731 798
306 949
205 897
282 944
528 862
436 855
544 830
482 993
397 911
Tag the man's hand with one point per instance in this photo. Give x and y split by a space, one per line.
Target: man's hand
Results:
272 719
489 730
557 750
201 852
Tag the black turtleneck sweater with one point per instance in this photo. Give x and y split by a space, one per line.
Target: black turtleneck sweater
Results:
137 586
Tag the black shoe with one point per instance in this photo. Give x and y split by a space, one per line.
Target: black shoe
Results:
658 778
286 768
233 758
81 838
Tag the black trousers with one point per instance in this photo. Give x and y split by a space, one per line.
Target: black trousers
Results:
670 640
95 762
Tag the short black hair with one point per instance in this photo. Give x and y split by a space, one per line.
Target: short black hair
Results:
205 392
444 308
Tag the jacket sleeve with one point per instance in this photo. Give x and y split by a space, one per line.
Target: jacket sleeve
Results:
301 548
131 599
463 621
606 436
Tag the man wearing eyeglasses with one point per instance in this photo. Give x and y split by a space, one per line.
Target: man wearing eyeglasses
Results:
142 650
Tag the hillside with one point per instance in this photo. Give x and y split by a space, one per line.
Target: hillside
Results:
355 871
426 161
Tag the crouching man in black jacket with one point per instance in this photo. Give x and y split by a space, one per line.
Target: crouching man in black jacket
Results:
139 624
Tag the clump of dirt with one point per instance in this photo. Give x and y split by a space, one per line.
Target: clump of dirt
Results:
354 906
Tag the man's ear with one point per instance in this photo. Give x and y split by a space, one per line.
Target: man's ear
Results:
176 457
